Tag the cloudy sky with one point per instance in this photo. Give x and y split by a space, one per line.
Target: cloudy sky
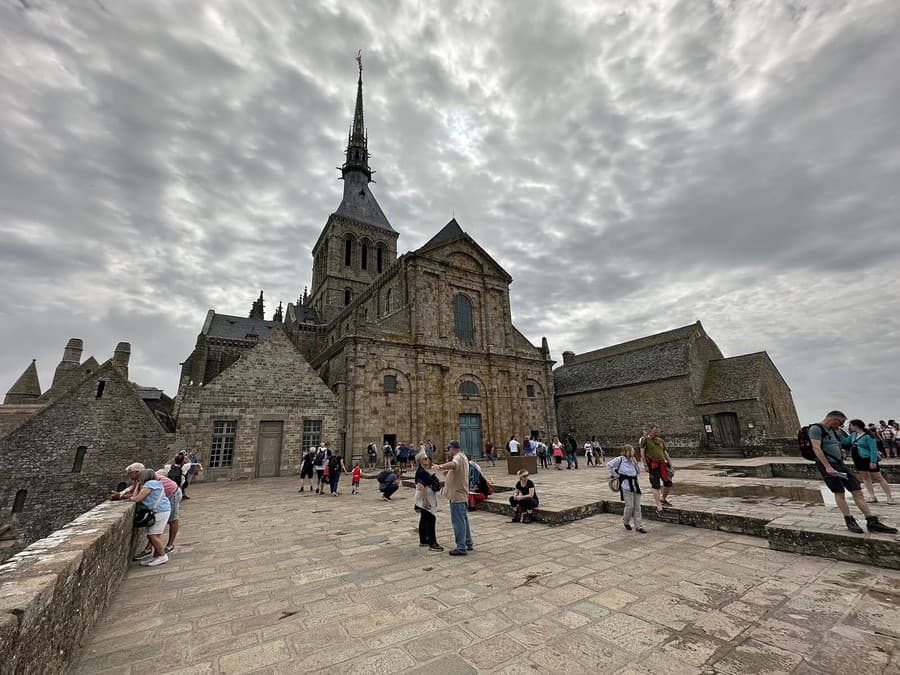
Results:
635 166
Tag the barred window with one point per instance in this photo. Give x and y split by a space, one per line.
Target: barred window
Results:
221 453
390 383
312 434
462 317
529 390
468 388
364 260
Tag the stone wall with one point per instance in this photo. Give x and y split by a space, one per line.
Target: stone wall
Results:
39 459
270 383
617 416
53 592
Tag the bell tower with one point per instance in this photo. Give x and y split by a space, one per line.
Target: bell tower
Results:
357 243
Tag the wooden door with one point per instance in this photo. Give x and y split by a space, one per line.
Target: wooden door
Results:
728 429
268 449
470 434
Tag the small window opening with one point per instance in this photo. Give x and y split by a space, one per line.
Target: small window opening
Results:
101 385
19 502
390 384
79 459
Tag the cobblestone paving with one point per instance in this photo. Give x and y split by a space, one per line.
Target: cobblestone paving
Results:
267 580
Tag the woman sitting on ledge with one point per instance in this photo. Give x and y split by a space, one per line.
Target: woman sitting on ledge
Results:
525 499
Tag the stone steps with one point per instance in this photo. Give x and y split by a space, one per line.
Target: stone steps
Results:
804 529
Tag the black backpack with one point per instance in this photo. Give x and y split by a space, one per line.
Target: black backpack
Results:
805 444
320 455
175 474
436 483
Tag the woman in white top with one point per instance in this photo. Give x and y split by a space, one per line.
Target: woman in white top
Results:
589 453
626 468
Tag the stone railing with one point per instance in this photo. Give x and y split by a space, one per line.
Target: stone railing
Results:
54 591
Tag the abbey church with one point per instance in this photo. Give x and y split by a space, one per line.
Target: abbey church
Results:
382 348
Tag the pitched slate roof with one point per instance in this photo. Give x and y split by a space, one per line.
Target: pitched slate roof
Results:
239 327
738 378
647 359
449 232
359 203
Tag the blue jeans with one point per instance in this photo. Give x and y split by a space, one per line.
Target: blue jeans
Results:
459 516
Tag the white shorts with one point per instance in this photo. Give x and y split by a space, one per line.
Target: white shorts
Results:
162 519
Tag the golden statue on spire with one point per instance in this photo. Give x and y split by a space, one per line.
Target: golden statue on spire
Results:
359 60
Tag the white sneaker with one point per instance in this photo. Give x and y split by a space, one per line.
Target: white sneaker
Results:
153 562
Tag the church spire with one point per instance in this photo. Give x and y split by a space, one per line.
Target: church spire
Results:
358 143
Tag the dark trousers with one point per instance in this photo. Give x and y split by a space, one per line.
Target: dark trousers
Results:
427 522
389 490
524 504
334 478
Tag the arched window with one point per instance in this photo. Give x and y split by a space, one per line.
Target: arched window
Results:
468 388
387 301
379 259
79 459
462 317
348 252
348 295
364 256
19 502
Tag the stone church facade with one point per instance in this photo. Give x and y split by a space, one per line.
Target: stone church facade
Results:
412 347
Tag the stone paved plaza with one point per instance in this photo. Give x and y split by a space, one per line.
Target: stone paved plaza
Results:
267 580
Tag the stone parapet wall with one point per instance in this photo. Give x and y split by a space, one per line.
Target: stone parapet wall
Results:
53 592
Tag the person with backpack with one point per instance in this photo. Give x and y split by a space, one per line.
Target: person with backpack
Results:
426 503
372 453
307 466
388 453
194 467
864 454
335 467
821 442
323 454
388 484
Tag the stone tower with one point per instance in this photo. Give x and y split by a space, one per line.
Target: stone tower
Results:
27 389
357 243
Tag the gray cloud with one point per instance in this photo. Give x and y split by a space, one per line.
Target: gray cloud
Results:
633 168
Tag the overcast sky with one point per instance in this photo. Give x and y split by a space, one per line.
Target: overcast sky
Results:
635 166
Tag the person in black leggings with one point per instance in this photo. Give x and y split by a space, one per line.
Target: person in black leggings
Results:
524 499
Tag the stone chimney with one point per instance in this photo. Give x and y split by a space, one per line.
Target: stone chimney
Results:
70 361
121 356
568 357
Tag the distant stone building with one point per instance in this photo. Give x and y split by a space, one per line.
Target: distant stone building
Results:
256 417
679 379
66 457
413 347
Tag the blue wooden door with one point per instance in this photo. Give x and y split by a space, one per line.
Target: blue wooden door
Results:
470 434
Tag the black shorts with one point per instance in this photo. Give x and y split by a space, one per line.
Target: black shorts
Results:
306 471
863 463
320 474
835 483
656 479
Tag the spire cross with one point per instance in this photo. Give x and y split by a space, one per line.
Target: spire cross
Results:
359 61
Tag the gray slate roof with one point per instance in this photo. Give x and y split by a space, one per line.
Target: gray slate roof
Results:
359 202
449 232
647 359
738 378
238 327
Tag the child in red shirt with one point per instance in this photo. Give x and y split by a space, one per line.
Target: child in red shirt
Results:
357 474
